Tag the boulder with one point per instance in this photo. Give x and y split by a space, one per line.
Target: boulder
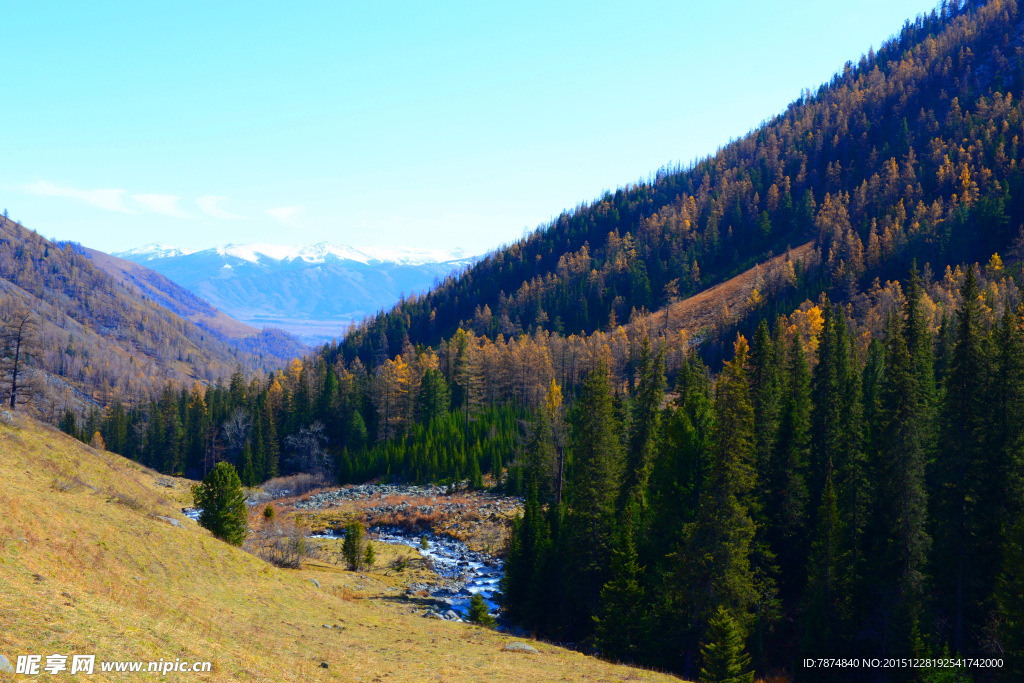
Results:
521 647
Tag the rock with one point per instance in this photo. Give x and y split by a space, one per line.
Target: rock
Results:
325 665
521 647
314 582
6 417
170 520
452 615
433 615
5 666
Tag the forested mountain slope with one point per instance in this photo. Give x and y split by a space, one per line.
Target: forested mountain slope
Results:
909 152
96 338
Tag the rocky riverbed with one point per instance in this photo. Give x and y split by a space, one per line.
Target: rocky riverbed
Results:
461 572
479 519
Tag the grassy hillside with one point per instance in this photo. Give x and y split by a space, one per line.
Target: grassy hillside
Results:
88 567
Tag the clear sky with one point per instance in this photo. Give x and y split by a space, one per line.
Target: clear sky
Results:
423 124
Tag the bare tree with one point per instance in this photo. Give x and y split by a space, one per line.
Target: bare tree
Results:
17 344
307 447
236 430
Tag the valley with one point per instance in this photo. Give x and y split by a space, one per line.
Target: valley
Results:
90 566
314 292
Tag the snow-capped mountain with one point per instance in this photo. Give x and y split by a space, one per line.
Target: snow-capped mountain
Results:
313 291
152 251
310 253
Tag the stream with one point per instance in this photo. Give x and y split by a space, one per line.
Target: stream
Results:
464 572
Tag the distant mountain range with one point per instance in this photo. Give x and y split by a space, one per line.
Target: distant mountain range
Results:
313 291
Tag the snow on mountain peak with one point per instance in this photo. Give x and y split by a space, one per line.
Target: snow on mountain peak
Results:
152 251
310 253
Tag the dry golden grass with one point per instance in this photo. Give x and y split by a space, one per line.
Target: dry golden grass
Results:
86 569
705 309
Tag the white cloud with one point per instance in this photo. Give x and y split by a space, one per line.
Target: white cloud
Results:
286 214
211 206
103 199
166 204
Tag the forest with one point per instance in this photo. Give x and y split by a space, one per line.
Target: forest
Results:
832 469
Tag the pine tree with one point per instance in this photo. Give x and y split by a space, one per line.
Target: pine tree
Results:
714 566
271 448
961 555
222 504
621 626
764 393
786 491
643 428
369 555
593 488
902 493
1009 597
478 612
248 473
352 547
828 568
722 655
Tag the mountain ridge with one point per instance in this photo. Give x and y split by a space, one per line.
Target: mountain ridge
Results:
315 291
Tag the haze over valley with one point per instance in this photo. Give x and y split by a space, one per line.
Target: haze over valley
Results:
314 292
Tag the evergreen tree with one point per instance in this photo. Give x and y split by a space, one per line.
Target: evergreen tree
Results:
271 448
369 555
722 655
786 491
904 541
478 611
621 627
352 547
764 393
1010 602
594 486
643 428
222 504
713 568
248 472
828 594
433 399
963 558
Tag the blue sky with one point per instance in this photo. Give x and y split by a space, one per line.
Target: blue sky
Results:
416 124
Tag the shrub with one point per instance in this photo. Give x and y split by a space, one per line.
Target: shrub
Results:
222 502
424 543
282 544
268 513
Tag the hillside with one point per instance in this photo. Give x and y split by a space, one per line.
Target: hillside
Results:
92 564
168 294
315 291
909 152
99 337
